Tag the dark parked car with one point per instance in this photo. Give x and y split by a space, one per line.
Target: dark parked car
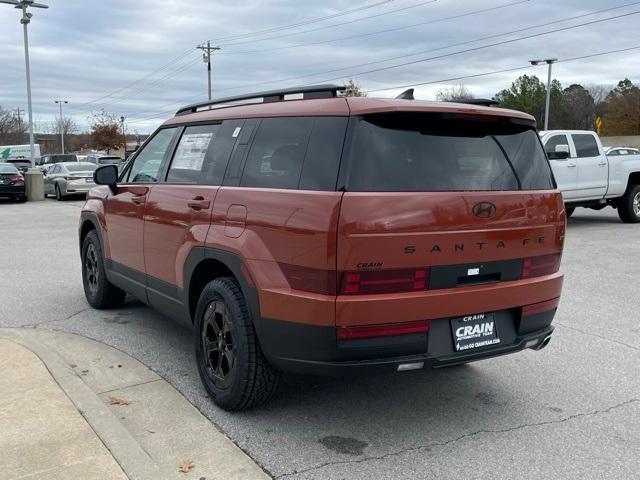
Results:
22 164
11 182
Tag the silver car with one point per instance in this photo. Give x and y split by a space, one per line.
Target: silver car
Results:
68 178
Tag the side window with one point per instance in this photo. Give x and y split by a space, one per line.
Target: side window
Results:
147 164
552 143
613 153
195 150
277 153
320 169
586 145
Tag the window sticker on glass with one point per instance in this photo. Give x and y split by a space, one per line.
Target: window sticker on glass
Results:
191 151
236 132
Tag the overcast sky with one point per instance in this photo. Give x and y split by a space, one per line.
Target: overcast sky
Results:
138 58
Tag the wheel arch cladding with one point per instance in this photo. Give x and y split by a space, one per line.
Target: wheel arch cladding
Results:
634 179
206 264
88 224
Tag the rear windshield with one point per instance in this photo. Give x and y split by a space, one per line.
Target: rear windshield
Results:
433 152
109 160
81 167
7 168
63 158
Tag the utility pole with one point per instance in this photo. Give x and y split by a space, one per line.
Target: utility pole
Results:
548 61
206 57
60 102
26 18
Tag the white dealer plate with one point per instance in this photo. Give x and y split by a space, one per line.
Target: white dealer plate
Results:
474 331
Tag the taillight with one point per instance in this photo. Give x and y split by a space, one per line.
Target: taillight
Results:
388 330
310 279
541 265
541 307
384 281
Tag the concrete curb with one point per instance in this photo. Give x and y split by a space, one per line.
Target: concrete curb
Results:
156 401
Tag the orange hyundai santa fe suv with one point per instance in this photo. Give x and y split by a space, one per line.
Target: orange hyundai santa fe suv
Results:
331 235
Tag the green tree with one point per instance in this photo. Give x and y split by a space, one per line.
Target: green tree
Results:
528 94
622 110
578 108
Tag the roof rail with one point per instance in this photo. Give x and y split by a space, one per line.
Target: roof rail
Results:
308 92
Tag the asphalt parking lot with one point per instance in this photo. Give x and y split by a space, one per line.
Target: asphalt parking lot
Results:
571 410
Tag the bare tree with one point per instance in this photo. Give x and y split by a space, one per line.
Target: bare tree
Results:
105 131
12 128
454 94
599 92
352 89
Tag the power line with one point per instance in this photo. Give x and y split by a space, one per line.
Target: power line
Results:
504 70
467 42
333 25
303 22
395 29
482 47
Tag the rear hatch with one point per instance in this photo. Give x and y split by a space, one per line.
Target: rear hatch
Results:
439 201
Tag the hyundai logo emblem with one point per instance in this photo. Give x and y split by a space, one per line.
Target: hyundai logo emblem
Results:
484 210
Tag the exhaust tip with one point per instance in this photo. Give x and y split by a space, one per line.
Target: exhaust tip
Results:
543 343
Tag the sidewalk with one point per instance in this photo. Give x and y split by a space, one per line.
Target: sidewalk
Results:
71 407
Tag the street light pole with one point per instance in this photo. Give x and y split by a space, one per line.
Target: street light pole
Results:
549 62
124 140
60 102
26 18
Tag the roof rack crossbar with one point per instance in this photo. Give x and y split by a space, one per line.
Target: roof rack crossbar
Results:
308 92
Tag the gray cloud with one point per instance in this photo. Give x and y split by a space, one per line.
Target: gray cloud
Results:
89 51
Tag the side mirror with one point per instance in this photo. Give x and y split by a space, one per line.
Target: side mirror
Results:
561 153
106 175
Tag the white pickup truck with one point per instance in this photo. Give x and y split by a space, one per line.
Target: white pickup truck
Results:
589 178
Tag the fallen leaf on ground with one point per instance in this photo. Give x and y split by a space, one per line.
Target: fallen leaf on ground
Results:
186 466
118 401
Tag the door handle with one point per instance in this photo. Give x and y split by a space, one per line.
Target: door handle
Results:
199 203
602 163
571 165
139 200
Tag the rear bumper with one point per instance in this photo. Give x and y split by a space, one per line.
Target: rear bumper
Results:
315 350
12 190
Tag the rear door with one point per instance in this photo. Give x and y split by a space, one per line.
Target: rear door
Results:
178 211
435 203
124 213
593 170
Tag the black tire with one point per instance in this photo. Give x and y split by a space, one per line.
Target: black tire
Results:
230 361
21 199
59 195
99 291
629 205
569 210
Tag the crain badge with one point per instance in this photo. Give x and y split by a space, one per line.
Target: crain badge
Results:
236 132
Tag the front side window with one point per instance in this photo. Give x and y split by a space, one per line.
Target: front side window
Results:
194 153
427 152
277 153
552 143
146 166
586 145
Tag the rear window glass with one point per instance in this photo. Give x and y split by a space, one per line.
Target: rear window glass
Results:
63 158
277 153
8 169
586 145
81 167
430 152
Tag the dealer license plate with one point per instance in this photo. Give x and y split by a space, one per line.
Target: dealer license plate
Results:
474 331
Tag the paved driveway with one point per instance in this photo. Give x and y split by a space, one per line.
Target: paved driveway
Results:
569 411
